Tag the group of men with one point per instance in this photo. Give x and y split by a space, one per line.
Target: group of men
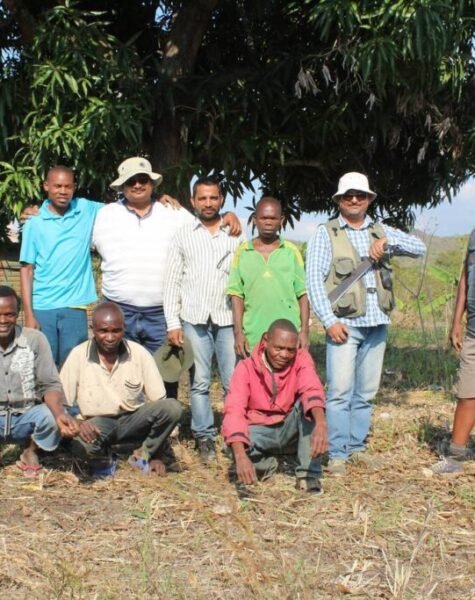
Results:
195 281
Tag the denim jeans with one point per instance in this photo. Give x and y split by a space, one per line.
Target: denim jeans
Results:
205 341
353 376
65 328
37 423
285 438
150 425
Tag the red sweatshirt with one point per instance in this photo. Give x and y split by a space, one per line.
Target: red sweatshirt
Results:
258 396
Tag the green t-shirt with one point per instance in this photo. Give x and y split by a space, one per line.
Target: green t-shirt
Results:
270 290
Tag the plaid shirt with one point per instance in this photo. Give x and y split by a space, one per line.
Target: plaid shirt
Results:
319 258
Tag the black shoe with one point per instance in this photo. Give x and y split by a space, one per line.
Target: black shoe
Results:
206 450
310 485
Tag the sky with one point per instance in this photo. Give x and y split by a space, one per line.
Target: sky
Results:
455 218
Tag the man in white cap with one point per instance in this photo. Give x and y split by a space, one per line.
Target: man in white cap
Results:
356 324
133 237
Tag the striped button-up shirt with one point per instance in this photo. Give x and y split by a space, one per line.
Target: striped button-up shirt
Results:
319 258
198 267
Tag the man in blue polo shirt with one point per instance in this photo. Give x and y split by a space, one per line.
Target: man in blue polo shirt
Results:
56 271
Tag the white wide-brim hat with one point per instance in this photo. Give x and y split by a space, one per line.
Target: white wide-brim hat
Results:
353 181
134 166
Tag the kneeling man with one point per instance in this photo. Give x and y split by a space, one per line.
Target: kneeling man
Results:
31 396
276 402
120 395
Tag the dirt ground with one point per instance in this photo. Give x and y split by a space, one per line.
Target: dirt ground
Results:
389 532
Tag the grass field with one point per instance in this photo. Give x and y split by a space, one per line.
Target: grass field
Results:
392 531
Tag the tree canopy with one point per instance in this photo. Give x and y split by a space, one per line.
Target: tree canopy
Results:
284 94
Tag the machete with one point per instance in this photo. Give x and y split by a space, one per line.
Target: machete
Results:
364 266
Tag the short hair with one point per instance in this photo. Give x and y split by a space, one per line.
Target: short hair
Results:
269 200
8 292
282 325
60 169
207 180
106 307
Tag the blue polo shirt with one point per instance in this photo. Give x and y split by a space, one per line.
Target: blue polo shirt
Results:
59 248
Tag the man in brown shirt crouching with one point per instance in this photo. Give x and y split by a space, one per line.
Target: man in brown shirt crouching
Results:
119 392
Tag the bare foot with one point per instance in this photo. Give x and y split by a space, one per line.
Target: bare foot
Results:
29 456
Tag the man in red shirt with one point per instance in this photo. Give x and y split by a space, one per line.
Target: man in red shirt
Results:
276 402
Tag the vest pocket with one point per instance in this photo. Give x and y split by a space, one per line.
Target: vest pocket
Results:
342 269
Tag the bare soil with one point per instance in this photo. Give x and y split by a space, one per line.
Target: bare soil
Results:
393 531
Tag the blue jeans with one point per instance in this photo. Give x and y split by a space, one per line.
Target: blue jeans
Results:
65 328
37 423
284 438
353 376
205 341
145 325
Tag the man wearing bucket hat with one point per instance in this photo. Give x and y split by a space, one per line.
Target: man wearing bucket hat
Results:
356 323
197 308
133 237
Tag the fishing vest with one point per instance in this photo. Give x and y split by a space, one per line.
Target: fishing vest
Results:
345 260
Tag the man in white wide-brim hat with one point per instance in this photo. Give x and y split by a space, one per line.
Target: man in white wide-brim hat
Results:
133 237
356 324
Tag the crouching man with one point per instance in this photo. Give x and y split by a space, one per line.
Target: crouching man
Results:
275 403
29 376
117 388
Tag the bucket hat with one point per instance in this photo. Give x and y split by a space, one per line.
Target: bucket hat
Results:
353 181
133 166
172 361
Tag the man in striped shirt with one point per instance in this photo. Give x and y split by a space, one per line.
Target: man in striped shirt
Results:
356 327
196 304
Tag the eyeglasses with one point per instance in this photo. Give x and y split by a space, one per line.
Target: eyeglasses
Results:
141 179
358 195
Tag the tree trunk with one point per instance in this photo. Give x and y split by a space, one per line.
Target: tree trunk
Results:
169 136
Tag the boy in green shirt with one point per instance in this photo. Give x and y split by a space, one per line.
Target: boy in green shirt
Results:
267 281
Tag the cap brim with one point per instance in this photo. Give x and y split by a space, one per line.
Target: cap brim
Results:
119 182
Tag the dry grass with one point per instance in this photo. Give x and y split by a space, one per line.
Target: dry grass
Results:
391 533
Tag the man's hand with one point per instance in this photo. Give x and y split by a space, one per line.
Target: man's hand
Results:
378 248
241 345
338 332
230 220
319 438
245 470
31 322
175 337
88 432
29 211
304 340
456 337
68 427
167 200
157 467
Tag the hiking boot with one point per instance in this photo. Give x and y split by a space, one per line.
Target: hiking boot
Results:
447 466
206 450
336 466
310 485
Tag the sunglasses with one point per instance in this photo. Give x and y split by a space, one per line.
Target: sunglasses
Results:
141 179
357 195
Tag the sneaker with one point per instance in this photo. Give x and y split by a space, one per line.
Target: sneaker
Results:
336 466
310 485
447 466
206 449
